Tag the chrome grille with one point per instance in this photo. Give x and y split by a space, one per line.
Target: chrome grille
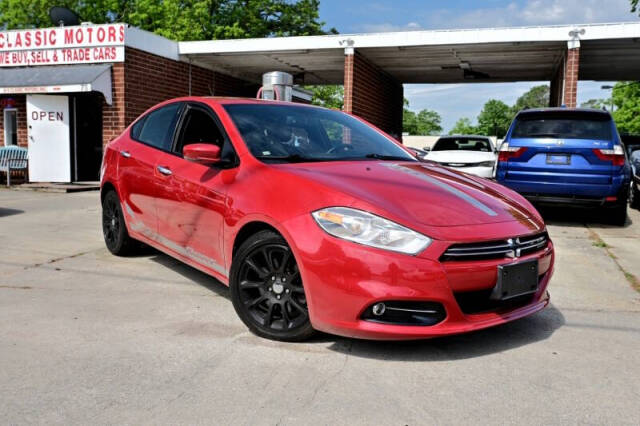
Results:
512 247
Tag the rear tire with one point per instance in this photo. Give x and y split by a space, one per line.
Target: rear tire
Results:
266 289
634 196
114 229
618 214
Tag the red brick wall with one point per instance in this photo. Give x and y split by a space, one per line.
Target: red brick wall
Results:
572 66
373 94
21 107
113 116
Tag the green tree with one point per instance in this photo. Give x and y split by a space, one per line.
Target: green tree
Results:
180 19
495 118
328 96
463 127
626 98
425 122
536 97
409 123
596 103
428 122
634 6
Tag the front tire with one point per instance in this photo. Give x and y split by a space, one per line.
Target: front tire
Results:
114 230
266 289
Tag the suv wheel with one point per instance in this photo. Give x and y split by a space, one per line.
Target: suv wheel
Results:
618 214
634 196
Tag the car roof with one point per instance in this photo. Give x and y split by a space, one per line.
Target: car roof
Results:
225 100
562 110
464 136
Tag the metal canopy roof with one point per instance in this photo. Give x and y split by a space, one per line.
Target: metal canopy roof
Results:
608 52
60 78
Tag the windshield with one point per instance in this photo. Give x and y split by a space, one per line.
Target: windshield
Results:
288 133
462 144
563 126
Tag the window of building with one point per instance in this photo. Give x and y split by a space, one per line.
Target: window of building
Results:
10 127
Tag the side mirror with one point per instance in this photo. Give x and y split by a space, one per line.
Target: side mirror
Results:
202 153
426 148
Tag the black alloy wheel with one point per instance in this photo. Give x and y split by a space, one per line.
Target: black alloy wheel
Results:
267 291
114 229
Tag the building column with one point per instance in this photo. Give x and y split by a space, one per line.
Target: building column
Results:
349 54
571 69
372 94
556 84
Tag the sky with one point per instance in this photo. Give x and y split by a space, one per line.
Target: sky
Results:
454 101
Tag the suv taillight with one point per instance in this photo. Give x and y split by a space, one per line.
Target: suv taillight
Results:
615 155
506 152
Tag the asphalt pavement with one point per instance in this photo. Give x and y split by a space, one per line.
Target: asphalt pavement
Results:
89 338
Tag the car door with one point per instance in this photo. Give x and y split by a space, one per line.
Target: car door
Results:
191 198
138 155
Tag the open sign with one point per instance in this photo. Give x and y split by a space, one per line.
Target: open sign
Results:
47 115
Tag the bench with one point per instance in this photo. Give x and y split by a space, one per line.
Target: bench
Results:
13 158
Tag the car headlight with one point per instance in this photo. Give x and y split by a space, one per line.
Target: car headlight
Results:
486 164
370 230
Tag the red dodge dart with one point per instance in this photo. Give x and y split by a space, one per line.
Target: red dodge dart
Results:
317 220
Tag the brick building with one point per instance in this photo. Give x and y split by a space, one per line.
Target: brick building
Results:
95 99
65 92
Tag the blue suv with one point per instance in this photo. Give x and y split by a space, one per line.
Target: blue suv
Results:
566 156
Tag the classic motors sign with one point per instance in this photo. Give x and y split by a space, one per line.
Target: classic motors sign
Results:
62 45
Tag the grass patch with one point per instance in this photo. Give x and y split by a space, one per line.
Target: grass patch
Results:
635 283
599 243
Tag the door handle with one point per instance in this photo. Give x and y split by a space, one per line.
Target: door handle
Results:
125 154
164 170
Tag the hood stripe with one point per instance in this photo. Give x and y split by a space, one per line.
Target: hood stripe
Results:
452 190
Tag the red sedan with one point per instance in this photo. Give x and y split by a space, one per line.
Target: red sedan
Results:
319 221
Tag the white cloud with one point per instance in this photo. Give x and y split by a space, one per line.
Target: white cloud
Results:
531 12
386 27
534 12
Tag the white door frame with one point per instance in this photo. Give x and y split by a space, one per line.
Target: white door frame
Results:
4 121
49 139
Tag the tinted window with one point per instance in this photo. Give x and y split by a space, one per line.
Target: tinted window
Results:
199 127
292 133
462 144
563 126
158 127
136 128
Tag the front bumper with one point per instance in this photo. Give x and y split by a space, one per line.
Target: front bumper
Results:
342 280
484 172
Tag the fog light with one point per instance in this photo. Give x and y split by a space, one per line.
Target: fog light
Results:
378 309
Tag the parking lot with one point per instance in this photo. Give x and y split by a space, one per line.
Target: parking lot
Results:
86 337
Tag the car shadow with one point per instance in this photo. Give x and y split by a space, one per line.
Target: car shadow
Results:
505 337
574 216
192 274
9 212
508 336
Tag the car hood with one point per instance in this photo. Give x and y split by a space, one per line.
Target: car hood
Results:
418 192
460 156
